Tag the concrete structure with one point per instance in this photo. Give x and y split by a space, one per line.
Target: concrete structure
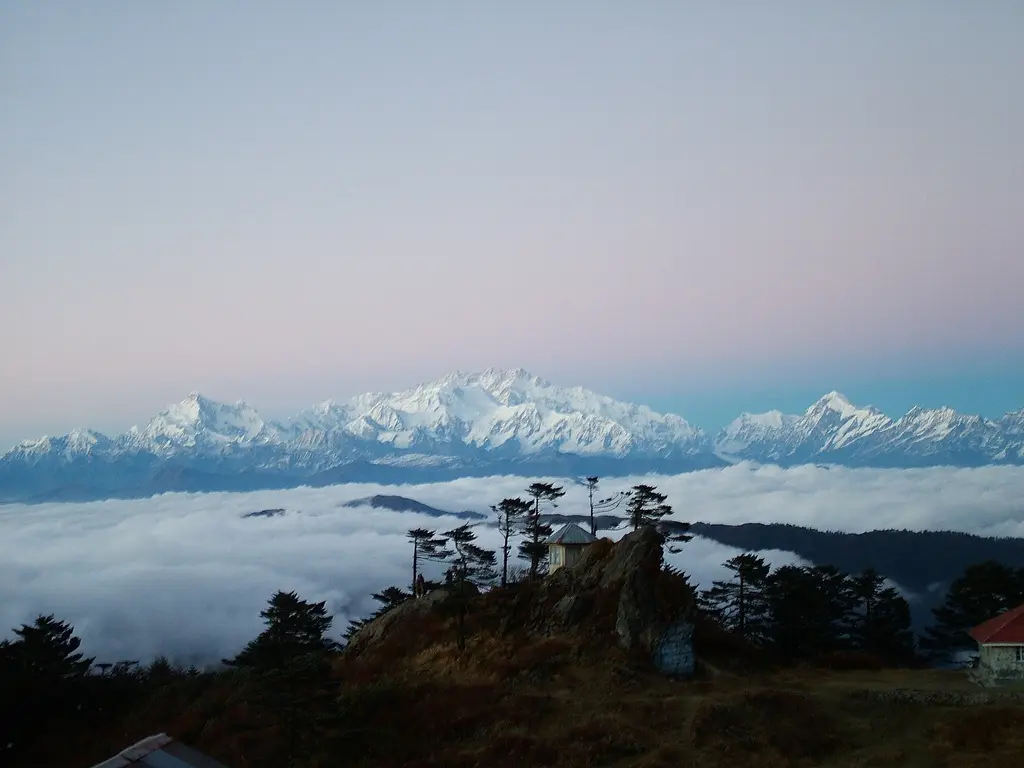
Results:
160 751
566 546
1001 646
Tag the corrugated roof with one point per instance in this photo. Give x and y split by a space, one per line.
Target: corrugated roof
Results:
570 533
1005 628
160 751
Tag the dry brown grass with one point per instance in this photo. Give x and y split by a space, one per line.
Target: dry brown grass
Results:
982 736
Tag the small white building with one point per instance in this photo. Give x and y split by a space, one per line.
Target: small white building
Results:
1001 646
566 546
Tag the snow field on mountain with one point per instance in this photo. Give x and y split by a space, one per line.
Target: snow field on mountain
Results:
471 415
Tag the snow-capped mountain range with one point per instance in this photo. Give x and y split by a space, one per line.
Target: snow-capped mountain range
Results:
494 422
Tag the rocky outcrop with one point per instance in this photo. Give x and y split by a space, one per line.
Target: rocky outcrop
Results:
652 607
381 627
618 594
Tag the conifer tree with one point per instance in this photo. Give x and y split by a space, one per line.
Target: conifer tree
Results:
983 591
880 622
601 505
740 603
48 649
645 506
809 610
294 628
509 513
425 546
534 550
42 680
471 564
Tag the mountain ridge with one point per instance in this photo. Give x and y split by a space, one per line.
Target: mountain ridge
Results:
493 422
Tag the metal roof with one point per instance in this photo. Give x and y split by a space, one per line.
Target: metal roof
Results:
1005 628
160 751
570 533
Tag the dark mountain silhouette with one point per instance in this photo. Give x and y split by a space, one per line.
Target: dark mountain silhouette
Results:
403 504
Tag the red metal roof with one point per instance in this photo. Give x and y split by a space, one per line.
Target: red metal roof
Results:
1005 628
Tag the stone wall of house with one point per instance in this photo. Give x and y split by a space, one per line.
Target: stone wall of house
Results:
1000 661
674 654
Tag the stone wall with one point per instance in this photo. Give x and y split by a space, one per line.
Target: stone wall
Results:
942 698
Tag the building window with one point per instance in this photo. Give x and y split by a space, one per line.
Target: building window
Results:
1020 653
556 555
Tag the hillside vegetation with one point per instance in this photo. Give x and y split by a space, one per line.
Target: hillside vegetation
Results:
553 671
497 665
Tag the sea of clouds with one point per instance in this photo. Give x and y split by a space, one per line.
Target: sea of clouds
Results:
186 575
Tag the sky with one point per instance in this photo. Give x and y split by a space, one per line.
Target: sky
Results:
133 576
697 207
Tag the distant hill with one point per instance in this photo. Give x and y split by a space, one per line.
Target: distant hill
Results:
916 560
403 504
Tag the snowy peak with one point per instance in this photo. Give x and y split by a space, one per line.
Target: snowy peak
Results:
78 443
509 409
198 421
833 401
834 429
497 417
838 404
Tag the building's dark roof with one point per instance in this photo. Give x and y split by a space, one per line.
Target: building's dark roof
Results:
570 533
160 751
1005 628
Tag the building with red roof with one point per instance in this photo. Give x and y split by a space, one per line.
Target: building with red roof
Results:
1001 645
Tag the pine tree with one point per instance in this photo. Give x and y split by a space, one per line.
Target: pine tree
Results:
471 565
300 698
42 680
601 505
740 603
880 622
809 609
48 649
534 550
646 506
509 513
983 591
294 628
425 546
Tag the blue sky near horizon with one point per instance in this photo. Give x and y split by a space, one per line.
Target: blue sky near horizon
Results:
989 395
704 209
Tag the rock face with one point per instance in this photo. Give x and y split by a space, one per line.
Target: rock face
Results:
621 591
653 607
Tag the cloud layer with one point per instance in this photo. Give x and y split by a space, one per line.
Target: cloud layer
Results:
185 575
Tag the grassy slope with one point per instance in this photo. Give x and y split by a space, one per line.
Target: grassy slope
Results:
516 699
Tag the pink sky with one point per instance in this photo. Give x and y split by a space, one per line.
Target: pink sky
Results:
286 206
